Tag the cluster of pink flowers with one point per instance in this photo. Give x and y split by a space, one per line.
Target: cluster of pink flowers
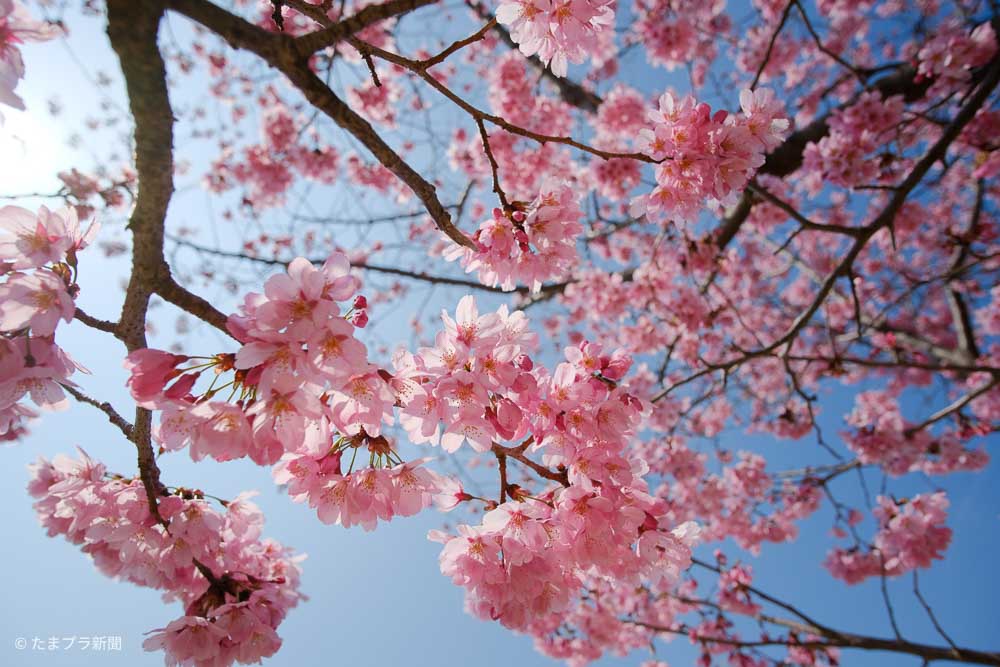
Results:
622 114
86 191
911 535
844 156
361 497
514 96
17 26
706 156
305 393
681 33
883 437
558 31
733 593
236 587
268 169
535 243
526 563
376 176
525 166
744 503
949 57
38 264
377 103
299 373
979 136
527 560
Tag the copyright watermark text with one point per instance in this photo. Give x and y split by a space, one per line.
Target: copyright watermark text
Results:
96 643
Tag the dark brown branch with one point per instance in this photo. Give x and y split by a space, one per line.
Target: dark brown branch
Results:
458 45
132 29
95 323
174 293
930 613
954 407
831 638
494 167
502 467
517 453
960 314
898 363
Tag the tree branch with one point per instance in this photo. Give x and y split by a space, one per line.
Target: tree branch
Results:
280 52
132 29
337 32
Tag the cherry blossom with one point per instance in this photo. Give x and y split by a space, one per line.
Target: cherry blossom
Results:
17 26
559 32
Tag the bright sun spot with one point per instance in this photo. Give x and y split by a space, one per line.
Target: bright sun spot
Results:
31 153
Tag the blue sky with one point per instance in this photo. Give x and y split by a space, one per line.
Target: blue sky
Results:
376 598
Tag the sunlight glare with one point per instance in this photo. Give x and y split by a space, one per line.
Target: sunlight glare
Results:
32 152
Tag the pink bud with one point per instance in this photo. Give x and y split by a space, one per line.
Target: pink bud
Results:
359 318
360 302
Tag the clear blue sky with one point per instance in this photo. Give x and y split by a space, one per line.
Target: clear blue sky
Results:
376 598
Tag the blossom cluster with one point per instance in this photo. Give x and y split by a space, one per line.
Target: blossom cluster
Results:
557 31
527 560
731 504
530 245
681 34
296 347
882 436
268 169
38 263
911 535
16 26
310 400
705 156
514 96
236 587
302 396
844 157
526 563
949 57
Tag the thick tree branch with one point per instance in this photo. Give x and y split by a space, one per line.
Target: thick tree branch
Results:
132 28
954 407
